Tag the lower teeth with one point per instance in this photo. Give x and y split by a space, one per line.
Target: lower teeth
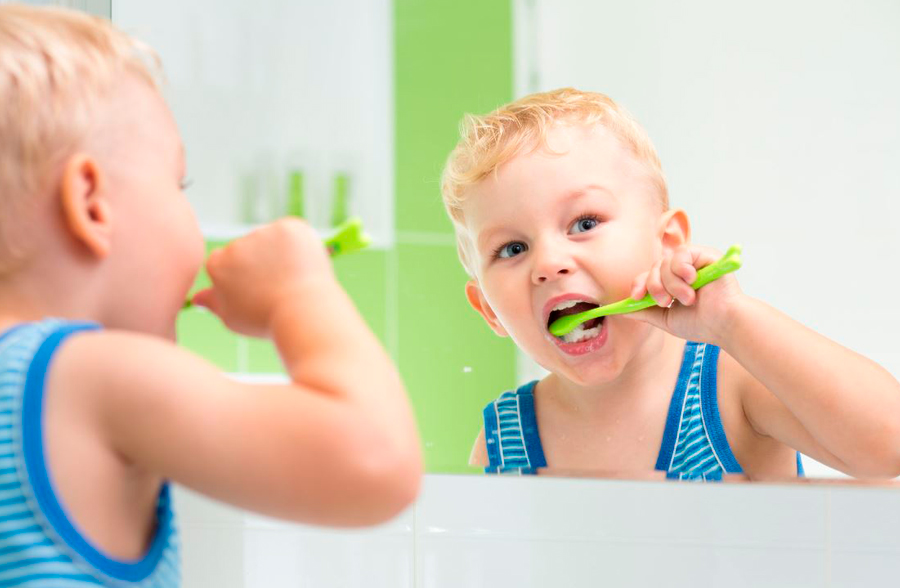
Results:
579 333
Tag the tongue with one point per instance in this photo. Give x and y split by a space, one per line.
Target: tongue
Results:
579 307
591 323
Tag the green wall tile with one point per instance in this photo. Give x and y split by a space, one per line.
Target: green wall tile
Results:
452 57
451 362
362 275
262 357
203 333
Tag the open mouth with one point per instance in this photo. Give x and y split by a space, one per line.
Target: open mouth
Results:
586 330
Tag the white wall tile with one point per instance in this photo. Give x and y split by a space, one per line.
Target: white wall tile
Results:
226 547
452 562
865 519
324 559
851 570
212 556
622 512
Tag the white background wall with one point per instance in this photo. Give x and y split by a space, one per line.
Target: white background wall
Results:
261 88
778 126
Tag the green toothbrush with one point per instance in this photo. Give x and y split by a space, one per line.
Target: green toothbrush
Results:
729 262
348 237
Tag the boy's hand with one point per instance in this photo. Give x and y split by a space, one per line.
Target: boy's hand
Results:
699 315
254 274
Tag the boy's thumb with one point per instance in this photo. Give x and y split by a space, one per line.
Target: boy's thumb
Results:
207 298
654 315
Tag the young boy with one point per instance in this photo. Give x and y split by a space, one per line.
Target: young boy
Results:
560 205
98 407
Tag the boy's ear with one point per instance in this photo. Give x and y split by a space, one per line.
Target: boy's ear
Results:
674 229
86 209
481 306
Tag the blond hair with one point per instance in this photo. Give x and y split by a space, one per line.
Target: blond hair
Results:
487 142
56 66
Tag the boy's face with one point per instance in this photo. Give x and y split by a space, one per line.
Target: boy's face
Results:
157 245
548 230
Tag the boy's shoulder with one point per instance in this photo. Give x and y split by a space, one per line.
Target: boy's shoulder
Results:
42 335
510 394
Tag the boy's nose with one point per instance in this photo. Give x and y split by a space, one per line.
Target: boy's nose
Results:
550 268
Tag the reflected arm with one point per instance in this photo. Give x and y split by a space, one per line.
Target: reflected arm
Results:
812 394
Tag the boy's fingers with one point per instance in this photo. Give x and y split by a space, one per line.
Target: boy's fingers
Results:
655 286
675 284
683 265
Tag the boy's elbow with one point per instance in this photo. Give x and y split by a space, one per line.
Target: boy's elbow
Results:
890 450
395 483
882 458
388 477
889 464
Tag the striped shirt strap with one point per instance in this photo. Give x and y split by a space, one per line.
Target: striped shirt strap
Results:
709 404
511 433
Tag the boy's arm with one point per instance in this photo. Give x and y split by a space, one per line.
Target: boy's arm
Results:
809 392
479 456
805 391
336 446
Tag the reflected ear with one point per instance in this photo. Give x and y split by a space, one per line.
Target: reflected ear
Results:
86 210
481 306
674 229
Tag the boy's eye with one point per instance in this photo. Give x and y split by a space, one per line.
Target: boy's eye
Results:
511 249
584 224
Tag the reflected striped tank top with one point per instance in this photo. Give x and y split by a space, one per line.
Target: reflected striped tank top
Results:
694 446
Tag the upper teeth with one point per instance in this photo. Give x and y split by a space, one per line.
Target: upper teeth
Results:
566 304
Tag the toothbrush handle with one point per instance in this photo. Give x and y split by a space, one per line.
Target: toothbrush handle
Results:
728 263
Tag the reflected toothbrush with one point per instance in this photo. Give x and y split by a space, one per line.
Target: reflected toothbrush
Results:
728 263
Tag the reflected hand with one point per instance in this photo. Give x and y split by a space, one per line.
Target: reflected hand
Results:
699 315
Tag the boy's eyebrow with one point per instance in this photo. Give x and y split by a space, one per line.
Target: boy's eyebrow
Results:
486 235
579 192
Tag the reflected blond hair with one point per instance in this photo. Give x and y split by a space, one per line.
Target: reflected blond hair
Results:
487 142
56 66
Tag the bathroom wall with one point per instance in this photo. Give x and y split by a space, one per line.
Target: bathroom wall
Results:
778 128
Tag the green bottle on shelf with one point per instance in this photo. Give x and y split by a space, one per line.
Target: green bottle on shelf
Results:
340 199
295 194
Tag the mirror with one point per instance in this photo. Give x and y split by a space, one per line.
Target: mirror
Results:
776 124
778 127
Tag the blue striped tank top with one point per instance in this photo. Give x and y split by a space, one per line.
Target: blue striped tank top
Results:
39 545
694 446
